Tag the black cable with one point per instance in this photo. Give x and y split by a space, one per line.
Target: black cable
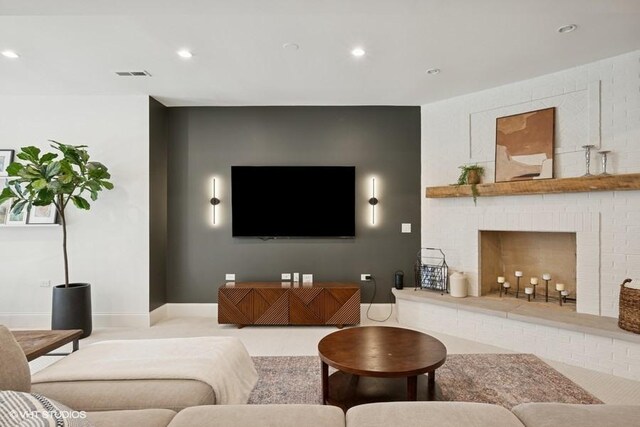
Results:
375 289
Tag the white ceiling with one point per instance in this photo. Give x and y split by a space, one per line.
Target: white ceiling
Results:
75 46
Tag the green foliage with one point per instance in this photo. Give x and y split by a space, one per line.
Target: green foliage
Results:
54 178
464 175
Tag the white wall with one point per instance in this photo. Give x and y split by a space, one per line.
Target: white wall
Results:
596 103
108 245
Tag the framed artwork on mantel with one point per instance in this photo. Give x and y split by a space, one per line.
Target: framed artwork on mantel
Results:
524 146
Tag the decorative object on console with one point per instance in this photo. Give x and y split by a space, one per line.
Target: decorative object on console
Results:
604 154
629 306
214 201
398 279
6 157
431 270
470 175
57 179
524 146
373 201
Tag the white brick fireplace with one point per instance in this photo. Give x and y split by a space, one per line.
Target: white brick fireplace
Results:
597 103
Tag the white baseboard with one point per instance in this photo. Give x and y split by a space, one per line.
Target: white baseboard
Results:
100 320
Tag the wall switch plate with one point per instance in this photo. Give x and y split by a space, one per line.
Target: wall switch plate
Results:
365 277
230 276
45 283
307 278
285 276
406 227
296 277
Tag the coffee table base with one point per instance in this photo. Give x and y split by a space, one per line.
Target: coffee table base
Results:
347 390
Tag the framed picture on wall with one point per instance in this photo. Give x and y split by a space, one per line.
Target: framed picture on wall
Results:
4 208
14 218
524 145
43 215
6 157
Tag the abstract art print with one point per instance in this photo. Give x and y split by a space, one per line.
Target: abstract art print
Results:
43 215
524 146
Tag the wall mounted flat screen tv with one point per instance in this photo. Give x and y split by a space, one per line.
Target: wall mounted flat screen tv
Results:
293 201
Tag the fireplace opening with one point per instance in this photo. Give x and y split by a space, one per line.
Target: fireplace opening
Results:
503 253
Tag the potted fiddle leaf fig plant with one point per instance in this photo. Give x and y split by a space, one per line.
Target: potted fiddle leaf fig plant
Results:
58 178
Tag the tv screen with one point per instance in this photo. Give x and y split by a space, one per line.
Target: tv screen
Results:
293 201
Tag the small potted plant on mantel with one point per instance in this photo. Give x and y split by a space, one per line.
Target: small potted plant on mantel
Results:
471 175
57 179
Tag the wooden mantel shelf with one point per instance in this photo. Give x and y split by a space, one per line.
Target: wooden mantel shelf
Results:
624 182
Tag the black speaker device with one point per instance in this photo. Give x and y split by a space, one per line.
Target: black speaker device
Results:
398 280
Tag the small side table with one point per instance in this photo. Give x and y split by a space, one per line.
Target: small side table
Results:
42 342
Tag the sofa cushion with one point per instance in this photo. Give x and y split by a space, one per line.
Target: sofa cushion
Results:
18 409
139 418
260 416
431 414
563 414
14 369
128 394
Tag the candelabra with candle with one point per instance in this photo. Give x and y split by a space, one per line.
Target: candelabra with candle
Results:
528 291
501 281
506 286
534 283
518 276
546 277
560 289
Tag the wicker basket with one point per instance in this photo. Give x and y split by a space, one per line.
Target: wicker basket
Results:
629 318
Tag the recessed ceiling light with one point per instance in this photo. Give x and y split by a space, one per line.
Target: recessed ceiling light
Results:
291 46
358 52
567 28
433 71
184 53
10 54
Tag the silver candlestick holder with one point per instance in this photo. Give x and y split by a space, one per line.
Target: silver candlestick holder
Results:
604 161
587 158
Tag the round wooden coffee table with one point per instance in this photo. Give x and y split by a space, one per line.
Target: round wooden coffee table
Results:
372 362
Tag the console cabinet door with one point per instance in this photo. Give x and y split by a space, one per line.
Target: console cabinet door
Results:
341 306
270 306
306 306
235 306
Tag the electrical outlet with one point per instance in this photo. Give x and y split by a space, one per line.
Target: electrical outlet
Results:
230 277
45 283
296 277
365 277
285 276
406 227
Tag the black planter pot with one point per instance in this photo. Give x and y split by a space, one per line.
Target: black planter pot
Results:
71 308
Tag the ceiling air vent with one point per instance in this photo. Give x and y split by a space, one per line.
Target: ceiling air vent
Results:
133 73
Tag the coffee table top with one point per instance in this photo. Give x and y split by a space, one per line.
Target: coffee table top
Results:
37 343
380 351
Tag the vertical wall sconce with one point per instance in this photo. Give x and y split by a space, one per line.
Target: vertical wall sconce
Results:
373 201
214 201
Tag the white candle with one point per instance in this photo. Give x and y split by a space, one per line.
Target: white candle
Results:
546 276
528 291
518 273
534 281
501 279
564 293
559 287
507 285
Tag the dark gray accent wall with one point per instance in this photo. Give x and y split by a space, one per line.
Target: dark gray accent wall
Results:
158 146
206 141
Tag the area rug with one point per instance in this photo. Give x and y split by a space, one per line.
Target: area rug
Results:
502 379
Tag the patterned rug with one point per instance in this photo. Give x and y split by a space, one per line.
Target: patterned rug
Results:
502 379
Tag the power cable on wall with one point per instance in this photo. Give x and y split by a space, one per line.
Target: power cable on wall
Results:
373 297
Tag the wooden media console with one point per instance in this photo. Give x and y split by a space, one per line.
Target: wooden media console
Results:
286 303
